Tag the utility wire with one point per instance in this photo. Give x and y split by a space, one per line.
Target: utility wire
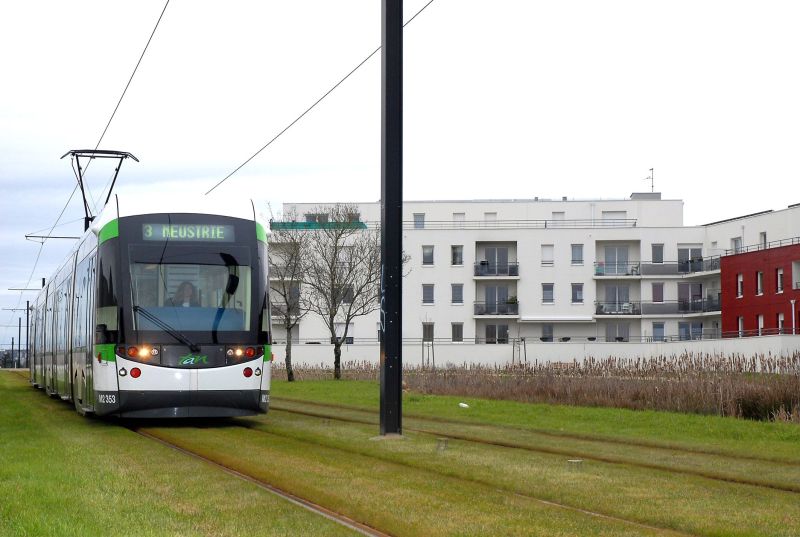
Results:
123 95
290 125
41 247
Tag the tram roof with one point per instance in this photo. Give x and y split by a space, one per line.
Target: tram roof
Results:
122 206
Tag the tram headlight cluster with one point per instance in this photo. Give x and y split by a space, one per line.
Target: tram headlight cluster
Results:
241 353
141 353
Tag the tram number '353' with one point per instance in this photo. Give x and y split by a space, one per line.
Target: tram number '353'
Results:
108 398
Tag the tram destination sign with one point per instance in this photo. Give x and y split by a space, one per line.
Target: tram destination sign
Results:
188 232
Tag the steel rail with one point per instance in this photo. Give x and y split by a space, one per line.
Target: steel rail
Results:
556 451
315 508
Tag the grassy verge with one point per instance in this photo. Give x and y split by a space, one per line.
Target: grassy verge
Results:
779 441
65 475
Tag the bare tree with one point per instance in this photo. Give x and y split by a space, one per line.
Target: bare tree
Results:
341 272
287 248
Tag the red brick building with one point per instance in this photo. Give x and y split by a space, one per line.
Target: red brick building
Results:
761 290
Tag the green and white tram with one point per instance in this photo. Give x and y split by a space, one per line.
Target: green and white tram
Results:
159 314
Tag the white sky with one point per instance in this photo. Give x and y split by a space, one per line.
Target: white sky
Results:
503 99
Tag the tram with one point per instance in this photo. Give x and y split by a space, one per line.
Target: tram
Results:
159 314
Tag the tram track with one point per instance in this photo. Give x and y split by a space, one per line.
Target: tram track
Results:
572 453
364 529
555 434
309 505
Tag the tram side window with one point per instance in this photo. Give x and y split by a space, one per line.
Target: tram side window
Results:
107 290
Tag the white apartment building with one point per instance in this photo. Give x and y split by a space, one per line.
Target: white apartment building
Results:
498 271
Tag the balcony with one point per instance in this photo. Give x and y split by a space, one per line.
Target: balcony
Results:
618 308
673 268
681 307
485 268
496 308
280 309
617 269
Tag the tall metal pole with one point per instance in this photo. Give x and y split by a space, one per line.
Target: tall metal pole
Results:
19 344
27 328
391 348
12 349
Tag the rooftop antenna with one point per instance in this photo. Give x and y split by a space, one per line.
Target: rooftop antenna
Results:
93 154
650 178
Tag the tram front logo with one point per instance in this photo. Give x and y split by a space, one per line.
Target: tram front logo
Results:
193 359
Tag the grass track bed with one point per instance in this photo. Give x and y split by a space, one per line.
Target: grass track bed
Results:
756 472
362 483
65 475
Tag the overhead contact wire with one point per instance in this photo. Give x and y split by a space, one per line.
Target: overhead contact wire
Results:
298 118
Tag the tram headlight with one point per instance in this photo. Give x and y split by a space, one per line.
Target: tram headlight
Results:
238 352
144 352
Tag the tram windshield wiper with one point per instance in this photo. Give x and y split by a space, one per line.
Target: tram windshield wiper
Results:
194 347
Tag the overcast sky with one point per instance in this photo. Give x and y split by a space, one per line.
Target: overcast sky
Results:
503 99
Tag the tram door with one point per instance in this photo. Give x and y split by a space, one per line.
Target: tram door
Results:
82 333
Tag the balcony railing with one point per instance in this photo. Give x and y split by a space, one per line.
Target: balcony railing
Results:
485 268
616 269
496 308
675 307
280 309
681 267
618 308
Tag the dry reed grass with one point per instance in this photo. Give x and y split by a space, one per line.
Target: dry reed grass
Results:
763 387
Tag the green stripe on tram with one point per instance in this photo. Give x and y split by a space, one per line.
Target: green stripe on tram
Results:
105 351
261 233
109 231
267 353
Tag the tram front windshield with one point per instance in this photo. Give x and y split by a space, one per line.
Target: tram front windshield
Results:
201 290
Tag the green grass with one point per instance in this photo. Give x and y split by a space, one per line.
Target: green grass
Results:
780 441
64 475
73 476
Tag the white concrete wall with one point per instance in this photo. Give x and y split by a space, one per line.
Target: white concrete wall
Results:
460 353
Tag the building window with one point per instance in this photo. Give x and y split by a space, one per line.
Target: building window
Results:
346 292
759 283
547 293
456 255
558 216
779 323
616 258
779 280
427 293
658 332
762 239
339 330
457 330
547 255
658 292
739 285
458 219
577 293
760 321
657 253
547 332
419 220
577 254
490 217
427 331
690 259
690 331
427 255
496 333
618 331
736 244
320 218
457 293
